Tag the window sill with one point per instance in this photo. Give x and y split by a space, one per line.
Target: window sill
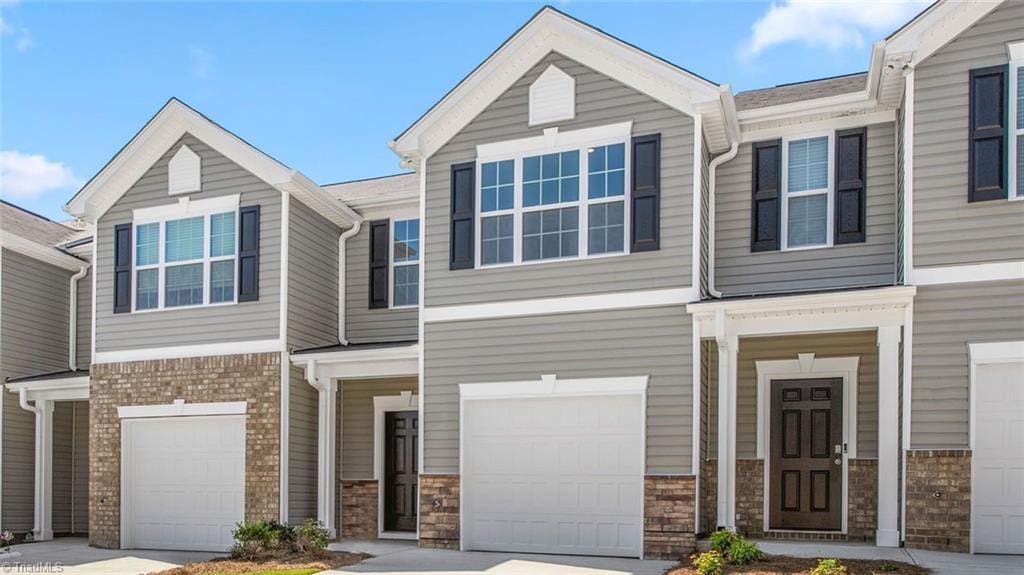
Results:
180 307
401 307
551 261
805 248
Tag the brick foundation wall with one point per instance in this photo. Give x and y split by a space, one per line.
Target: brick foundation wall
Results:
862 500
669 508
439 511
359 508
939 500
254 378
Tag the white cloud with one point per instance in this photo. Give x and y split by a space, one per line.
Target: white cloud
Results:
31 175
828 24
23 38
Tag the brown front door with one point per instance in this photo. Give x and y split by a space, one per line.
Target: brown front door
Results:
401 436
806 473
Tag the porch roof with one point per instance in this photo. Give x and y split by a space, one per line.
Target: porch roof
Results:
56 386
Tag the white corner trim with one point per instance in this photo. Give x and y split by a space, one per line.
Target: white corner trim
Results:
186 207
181 409
572 304
41 252
696 197
908 180
285 383
552 97
182 351
553 139
551 386
996 271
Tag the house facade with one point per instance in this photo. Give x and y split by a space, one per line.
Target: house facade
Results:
612 306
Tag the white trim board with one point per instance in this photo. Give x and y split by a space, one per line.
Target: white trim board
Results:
58 389
184 207
185 351
550 386
41 252
553 139
982 272
382 404
181 409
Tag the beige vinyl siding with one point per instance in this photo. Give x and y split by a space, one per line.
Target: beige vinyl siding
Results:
847 344
655 342
303 436
738 271
312 278
259 320
362 324
599 101
946 319
947 229
357 421
70 467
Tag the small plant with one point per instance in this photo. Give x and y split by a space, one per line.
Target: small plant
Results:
6 539
888 567
311 537
257 538
829 567
742 551
722 540
709 563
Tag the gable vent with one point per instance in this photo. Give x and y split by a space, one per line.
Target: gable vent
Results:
552 97
184 172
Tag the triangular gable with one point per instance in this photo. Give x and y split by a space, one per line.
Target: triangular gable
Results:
553 31
172 122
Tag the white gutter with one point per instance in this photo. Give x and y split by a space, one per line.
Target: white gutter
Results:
712 169
73 319
342 240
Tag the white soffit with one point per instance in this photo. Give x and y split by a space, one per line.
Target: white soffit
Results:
552 97
184 172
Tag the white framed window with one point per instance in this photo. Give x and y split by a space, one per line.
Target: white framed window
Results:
405 267
542 199
807 174
1016 117
181 262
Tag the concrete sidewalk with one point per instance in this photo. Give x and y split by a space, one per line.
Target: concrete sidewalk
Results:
941 563
73 556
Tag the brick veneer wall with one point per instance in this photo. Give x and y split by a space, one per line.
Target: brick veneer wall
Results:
669 513
439 511
709 505
862 500
253 378
750 497
359 508
939 500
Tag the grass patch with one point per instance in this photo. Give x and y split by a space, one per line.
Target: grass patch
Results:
785 565
293 564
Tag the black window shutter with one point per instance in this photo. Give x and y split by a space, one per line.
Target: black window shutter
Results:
461 254
765 204
122 268
379 245
646 201
986 164
249 253
851 188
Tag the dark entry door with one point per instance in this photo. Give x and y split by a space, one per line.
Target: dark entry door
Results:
401 430
806 473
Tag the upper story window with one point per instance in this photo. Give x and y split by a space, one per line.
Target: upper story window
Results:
405 257
807 205
1016 120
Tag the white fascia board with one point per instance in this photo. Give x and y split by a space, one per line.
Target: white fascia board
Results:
357 355
41 252
370 369
938 26
797 124
57 389
839 102
898 295
549 31
993 271
181 409
184 351
551 386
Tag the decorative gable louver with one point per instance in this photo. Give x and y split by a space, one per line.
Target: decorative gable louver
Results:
184 172
552 97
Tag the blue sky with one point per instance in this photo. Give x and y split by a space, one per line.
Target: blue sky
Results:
323 87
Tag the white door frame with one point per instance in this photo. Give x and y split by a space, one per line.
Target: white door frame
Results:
807 367
978 354
549 386
382 404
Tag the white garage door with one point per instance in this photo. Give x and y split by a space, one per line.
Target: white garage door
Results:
559 475
184 482
998 490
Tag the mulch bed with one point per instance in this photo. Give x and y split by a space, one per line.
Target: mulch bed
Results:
785 565
225 565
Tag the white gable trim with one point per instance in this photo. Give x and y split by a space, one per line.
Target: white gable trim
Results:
172 122
550 31
936 27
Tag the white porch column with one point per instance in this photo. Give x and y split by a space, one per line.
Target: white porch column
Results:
728 350
43 505
887 534
327 414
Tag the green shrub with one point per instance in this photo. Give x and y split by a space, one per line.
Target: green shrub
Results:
709 563
829 567
742 551
722 540
254 539
311 537
888 567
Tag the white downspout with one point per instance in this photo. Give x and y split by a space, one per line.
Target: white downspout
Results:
73 319
43 504
342 240
712 169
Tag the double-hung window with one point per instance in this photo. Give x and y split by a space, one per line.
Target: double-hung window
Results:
551 212
807 192
1016 82
184 262
405 257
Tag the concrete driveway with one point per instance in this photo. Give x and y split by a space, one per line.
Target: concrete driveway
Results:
404 558
73 556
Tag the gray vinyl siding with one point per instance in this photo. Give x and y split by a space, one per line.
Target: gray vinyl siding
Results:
947 229
303 420
362 324
655 342
35 308
738 271
599 101
18 437
312 278
861 344
70 467
946 319
357 421
259 320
